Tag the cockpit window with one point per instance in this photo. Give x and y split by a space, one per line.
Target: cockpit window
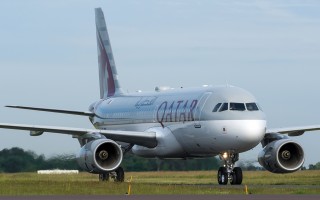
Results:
233 106
216 107
252 107
224 107
237 106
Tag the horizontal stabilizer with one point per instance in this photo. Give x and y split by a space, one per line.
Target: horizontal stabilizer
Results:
70 112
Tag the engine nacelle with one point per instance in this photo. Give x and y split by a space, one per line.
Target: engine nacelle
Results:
100 156
282 156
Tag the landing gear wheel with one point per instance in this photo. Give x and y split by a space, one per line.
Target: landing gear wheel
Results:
228 172
222 176
119 175
104 177
233 180
238 173
236 176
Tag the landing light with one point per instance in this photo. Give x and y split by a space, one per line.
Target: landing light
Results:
225 155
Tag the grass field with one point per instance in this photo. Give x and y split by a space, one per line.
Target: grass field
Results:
200 182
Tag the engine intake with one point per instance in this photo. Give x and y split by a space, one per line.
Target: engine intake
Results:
282 156
100 156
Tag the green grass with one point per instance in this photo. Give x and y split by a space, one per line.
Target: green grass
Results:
200 182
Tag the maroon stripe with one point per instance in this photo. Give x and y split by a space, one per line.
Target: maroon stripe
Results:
106 63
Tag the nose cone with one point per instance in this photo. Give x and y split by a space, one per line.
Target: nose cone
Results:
239 135
249 133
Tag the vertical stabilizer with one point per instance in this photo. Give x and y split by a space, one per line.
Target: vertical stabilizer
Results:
109 84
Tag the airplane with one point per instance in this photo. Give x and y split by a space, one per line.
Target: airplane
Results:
183 123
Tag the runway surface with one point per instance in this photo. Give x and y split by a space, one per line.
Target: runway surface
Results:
167 197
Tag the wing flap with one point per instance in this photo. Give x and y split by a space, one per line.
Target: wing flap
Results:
147 139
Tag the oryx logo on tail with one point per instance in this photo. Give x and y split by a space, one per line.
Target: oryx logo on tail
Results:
109 84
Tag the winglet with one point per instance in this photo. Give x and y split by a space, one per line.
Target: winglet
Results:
109 84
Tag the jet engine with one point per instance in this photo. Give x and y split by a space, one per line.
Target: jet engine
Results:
282 156
100 156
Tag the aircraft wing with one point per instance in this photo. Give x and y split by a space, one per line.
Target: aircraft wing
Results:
71 112
294 131
147 139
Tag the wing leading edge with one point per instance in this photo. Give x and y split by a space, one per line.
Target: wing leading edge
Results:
294 131
147 139
71 112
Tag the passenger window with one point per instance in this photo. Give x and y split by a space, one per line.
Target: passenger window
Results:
224 107
252 107
237 106
216 108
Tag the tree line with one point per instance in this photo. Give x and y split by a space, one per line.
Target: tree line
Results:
18 160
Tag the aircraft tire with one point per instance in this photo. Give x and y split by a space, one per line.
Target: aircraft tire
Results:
222 176
233 180
104 177
237 171
120 174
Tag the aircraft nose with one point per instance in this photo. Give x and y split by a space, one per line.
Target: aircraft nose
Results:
252 132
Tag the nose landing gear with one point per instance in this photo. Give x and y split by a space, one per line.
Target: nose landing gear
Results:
228 172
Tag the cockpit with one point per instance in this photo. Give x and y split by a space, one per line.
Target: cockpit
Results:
234 106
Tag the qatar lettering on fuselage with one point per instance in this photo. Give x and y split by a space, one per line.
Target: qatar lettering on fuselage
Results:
176 111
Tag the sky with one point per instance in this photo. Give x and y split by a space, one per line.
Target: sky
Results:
48 58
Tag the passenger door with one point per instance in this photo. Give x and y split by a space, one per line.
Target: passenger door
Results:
199 108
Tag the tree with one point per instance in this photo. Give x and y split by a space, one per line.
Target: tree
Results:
314 167
17 160
249 165
64 161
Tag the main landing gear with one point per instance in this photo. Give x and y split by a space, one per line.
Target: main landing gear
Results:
228 172
117 175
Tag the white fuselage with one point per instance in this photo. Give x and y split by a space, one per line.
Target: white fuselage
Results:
184 121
